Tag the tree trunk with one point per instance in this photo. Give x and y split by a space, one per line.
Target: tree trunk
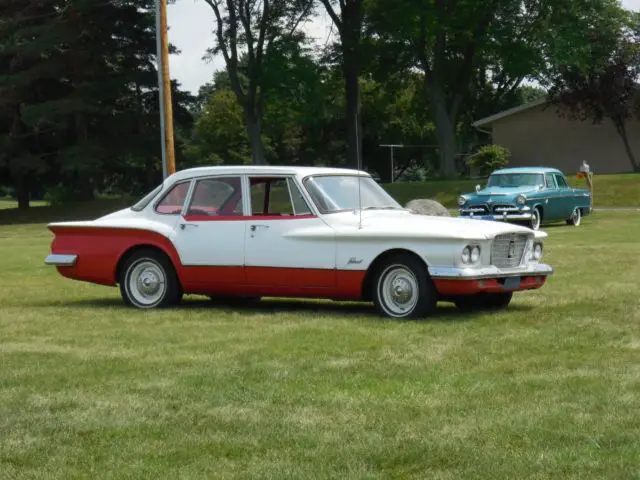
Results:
445 130
254 132
84 181
622 131
22 191
446 135
354 122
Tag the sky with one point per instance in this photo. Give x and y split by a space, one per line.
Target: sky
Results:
191 30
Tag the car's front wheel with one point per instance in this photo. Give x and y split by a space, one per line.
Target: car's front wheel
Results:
148 280
403 288
575 218
536 219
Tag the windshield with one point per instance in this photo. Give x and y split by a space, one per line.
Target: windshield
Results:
144 201
515 179
337 193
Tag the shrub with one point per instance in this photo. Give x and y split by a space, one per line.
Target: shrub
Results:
490 158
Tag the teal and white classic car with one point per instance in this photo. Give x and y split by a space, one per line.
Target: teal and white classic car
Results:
531 195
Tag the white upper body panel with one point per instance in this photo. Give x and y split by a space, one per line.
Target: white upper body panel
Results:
352 238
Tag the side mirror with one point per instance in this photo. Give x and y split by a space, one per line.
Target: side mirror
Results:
540 187
477 188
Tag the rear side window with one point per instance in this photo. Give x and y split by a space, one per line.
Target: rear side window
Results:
561 181
173 201
217 196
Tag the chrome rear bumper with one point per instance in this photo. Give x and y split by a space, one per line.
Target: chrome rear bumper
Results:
61 260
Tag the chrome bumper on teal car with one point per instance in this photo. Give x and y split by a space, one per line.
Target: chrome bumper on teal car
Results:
490 271
501 214
61 260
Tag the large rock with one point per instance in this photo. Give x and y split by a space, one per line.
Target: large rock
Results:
424 206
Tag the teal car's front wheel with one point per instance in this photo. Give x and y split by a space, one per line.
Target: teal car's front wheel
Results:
536 219
575 218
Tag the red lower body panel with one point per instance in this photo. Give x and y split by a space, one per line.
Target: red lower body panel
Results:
490 285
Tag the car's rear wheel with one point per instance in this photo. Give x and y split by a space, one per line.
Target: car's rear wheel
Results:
402 288
536 219
575 218
148 280
483 301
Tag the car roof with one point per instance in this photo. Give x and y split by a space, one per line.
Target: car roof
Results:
262 170
528 170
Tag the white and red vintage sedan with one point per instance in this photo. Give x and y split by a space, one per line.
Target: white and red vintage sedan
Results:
246 232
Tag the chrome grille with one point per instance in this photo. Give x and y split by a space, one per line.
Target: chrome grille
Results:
499 208
476 210
507 249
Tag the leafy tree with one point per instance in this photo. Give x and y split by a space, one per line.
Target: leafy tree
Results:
258 26
506 41
490 158
79 97
605 88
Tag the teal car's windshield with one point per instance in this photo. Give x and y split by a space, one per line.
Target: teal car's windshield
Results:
515 179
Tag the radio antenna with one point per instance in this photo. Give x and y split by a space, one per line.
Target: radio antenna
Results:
359 175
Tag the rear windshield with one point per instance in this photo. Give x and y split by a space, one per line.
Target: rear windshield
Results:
144 201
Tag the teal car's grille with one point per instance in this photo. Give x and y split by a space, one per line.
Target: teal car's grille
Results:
507 250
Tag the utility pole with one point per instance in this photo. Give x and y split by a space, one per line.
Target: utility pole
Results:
164 87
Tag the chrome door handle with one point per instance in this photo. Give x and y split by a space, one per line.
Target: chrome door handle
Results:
184 225
255 227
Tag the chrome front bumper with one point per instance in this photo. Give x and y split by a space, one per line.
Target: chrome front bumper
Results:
453 273
61 260
505 217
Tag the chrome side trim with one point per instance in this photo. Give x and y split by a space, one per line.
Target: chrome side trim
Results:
61 260
453 273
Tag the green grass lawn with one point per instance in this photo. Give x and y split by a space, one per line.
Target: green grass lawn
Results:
546 389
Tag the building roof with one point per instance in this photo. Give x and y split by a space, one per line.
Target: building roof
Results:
263 170
527 170
507 113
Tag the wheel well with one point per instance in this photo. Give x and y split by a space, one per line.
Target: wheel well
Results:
136 248
367 283
541 208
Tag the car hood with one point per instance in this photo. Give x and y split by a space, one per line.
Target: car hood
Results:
405 224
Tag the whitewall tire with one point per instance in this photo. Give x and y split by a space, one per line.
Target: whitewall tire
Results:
148 280
402 288
536 219
575 218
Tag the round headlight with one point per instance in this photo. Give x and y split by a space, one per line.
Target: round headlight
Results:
537 251
475 254
521 200
466 255
461 201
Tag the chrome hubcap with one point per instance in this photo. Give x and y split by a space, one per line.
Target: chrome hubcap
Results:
147 283
398 290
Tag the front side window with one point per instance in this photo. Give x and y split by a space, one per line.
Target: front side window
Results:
173 201
550 182
220 196
337 193
276 196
